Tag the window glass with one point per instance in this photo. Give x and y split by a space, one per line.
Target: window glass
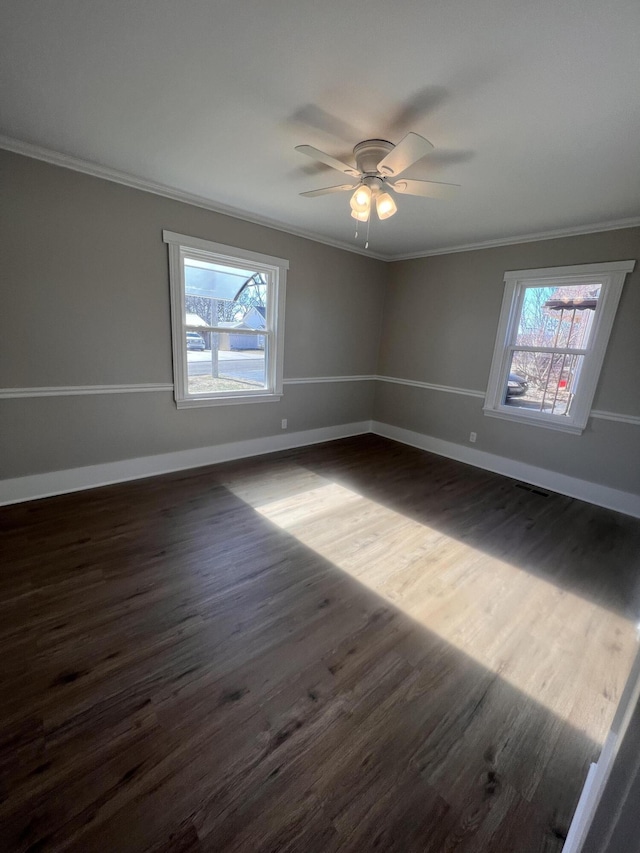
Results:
554 322
230 362
225 312
543 381
557 316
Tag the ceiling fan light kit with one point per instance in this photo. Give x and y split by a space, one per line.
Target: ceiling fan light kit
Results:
361 199
385 206
378 160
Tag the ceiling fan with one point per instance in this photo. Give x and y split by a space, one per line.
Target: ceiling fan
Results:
378 161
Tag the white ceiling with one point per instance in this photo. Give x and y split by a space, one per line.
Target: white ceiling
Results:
533 107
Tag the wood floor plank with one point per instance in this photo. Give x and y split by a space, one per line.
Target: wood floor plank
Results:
352 647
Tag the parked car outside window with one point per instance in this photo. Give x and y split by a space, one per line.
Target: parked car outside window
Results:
195 341
516 385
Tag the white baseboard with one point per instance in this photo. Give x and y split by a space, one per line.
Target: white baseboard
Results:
46 485
76 479
582 815
573 487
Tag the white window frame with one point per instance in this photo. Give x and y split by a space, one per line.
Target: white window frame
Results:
274 271
611 276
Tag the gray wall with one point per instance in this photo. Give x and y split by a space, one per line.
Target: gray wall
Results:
440 320
85 301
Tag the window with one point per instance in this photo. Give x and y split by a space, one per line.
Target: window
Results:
552 336
227 322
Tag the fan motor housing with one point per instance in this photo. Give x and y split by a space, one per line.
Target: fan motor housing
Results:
369 153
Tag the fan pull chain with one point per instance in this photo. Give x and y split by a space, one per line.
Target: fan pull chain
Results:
366 244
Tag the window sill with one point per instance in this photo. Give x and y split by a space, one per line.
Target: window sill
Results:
201 402
532 420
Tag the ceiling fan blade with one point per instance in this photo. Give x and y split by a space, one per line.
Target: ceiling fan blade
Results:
408 151
327 190
310 151
427 189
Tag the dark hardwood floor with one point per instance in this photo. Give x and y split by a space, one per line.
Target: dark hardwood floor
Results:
355 646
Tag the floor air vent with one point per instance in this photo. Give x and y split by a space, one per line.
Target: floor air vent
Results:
532 489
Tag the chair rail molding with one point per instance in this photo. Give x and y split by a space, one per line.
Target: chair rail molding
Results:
137 388
80 390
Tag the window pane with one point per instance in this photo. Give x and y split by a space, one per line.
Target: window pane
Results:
217 295
228 362
542 381
558 316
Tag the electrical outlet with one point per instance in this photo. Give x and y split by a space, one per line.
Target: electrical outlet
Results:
472 437
284 423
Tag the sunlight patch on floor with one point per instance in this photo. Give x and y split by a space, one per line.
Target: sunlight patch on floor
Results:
563 650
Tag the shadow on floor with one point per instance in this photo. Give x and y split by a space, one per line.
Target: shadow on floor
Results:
182 674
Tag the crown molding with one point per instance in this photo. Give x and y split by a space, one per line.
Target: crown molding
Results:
555 234
106 173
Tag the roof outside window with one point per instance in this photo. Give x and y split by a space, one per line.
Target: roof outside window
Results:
214 281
